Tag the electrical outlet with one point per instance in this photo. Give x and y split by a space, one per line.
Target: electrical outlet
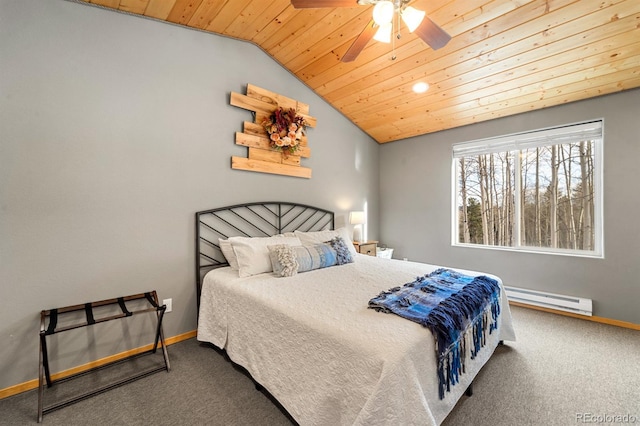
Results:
167 302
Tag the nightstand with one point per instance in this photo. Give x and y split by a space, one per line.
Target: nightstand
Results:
366 247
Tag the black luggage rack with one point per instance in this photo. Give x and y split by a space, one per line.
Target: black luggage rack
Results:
53 315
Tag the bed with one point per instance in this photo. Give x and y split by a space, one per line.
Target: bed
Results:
310 339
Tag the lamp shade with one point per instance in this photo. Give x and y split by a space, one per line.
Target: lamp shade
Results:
383 12
412 17
356 218
384 33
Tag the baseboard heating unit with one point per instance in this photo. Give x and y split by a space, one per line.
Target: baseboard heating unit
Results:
576 305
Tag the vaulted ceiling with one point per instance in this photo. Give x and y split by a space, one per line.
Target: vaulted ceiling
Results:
505 56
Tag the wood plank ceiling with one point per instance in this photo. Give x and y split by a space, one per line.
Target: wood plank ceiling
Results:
505 56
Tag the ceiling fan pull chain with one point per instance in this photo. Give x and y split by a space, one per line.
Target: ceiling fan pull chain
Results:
393 39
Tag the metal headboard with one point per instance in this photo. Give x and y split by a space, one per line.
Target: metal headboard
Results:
261 219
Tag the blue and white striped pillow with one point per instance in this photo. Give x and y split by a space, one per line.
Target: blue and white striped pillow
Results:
289 260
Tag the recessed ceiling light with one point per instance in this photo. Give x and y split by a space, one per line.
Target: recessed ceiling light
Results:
420 87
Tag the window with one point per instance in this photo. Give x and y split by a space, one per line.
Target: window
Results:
536 191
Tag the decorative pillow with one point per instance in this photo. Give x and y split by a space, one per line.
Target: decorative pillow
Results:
283 260
229 254
253 254
315 257
289 260
343 255
317 237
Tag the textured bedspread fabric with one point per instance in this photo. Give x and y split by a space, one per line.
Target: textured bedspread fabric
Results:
312 342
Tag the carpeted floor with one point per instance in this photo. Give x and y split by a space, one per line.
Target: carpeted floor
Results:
561 371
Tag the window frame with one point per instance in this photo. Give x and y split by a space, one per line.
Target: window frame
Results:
517 142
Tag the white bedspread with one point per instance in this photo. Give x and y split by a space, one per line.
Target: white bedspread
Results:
311 341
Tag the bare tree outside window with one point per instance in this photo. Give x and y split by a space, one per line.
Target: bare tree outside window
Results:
541 196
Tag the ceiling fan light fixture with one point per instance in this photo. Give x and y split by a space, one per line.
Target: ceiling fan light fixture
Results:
384 33
383 12
412 17
382 27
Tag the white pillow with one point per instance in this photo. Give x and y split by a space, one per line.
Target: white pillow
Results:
285 234
317 237
229 254
253 253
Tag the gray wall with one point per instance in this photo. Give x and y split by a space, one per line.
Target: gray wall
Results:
114 130
416 187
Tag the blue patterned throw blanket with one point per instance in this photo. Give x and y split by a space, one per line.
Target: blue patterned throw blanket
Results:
455 307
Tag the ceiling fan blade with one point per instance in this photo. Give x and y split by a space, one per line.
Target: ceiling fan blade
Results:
360 42
432 34
316 4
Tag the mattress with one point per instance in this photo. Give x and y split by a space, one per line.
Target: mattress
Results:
313 343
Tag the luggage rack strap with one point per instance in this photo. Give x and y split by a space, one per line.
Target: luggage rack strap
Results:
53 314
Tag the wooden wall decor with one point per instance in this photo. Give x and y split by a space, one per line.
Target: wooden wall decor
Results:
261 158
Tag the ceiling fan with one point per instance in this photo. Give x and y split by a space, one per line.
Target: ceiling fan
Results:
381 26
